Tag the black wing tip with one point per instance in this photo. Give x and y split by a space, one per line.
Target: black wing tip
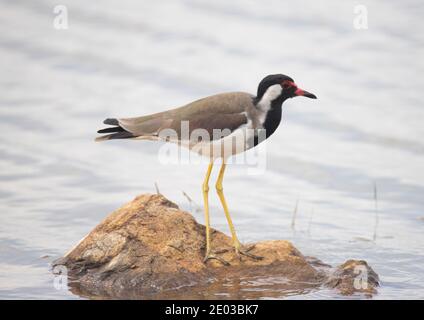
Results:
117 135
109 130
111 121
114 132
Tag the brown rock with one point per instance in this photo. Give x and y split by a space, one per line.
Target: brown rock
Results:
354 276
151 249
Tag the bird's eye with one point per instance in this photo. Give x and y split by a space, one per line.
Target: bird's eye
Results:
286 85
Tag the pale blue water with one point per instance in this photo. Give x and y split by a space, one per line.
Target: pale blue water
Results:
130 58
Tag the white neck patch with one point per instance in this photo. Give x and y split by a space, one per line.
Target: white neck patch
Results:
272 93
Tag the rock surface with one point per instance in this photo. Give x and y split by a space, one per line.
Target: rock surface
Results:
151 249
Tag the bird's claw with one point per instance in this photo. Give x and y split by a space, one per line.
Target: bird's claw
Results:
239 250
210 256
245 252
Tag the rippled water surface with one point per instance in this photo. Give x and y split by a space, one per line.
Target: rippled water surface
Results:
129 58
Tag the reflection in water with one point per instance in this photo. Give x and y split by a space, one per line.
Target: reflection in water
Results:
232 290
254 283
121 60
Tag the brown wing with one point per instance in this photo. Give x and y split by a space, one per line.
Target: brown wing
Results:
222 111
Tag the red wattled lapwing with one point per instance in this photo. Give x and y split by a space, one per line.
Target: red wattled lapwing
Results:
221 119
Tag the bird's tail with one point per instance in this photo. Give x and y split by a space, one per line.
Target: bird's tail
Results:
116 132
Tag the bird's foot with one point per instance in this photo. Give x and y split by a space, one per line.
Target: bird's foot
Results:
211 256
245 251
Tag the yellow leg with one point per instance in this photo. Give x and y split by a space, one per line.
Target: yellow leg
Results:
236 243
220 191
205 189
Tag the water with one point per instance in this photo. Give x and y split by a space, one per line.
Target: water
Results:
135 57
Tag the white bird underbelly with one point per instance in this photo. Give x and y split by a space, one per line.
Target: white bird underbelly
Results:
240 140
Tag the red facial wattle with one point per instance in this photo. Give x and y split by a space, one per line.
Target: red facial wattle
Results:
298 92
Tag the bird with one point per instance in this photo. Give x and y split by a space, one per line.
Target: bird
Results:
217 127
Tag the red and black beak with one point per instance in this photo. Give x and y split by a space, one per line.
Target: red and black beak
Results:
297 91
301 92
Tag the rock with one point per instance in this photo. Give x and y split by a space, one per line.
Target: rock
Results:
354 276
151 249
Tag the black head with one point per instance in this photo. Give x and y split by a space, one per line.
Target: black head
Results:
280 87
